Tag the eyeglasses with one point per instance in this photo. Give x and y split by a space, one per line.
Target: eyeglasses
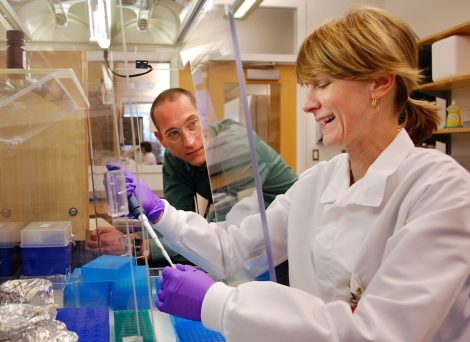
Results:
191 126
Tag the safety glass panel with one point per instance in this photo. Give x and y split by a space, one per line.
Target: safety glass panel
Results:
229 141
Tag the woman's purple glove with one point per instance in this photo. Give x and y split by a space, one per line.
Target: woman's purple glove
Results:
151 203
182 291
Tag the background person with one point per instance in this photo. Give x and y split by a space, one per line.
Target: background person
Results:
377 238
148 158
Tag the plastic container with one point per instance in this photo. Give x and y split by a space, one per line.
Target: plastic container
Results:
454 119
90 324
46 248
116 194
86 293
9 260
10 233
45 261
10 264
451 57
108 268
127 329
122 291
46 234
191 331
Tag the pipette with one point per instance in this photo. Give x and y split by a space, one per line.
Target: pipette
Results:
116 194
137 212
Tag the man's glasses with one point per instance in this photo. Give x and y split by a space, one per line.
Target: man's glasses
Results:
191 126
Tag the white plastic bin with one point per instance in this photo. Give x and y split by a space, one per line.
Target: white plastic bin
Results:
451 57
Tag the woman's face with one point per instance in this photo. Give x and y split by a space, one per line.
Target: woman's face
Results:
342 108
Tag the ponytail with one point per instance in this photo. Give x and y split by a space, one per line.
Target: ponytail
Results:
420 119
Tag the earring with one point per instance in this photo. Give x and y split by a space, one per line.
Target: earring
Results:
375 104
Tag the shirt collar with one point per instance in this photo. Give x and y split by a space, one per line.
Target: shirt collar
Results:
369 190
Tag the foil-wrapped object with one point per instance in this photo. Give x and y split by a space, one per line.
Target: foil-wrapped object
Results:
28 323
31 291
50 331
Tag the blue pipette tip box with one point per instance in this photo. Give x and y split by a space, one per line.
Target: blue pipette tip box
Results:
90 324
108 267
122 293
86 293
194 331
46 248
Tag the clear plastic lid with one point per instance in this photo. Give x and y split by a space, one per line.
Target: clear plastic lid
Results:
47 234
10 233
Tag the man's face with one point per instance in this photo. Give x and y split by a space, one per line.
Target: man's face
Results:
180 115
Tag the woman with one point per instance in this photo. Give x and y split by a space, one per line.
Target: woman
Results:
377 238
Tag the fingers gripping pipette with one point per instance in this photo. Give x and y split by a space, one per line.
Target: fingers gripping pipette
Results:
114 179
136 211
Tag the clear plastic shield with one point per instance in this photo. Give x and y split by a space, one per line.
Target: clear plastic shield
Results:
229 140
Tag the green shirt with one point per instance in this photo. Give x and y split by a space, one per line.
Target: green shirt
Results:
182 181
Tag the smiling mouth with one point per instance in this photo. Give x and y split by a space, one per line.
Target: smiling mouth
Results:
327 120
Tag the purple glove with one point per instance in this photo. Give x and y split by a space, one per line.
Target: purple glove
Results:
182 291
151 203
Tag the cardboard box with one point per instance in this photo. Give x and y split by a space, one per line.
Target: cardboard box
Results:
451 57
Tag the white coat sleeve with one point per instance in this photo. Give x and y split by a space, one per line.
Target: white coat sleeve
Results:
423 277
227 251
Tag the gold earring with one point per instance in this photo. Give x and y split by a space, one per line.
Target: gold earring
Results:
375 104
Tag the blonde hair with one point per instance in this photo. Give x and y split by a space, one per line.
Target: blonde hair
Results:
364 44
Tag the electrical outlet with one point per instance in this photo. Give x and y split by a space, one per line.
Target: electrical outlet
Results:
315 154
139 64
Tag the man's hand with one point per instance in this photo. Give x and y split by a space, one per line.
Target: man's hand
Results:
110 241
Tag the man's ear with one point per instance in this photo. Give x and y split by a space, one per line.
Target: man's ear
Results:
382 85
160 138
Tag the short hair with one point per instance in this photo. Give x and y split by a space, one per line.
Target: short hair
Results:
171 94
366 43
146 145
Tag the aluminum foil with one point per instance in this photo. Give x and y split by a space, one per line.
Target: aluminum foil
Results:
31 323
51 331
31 291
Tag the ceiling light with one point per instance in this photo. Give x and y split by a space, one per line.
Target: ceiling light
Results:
59 12
241 8
99 17
144 14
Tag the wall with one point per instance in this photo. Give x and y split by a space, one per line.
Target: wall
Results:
445 14
417 13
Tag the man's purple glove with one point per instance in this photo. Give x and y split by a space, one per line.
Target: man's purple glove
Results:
151 203
182 291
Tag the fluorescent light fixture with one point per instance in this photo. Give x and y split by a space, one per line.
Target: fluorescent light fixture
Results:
59 12
144 15
241 8
99 17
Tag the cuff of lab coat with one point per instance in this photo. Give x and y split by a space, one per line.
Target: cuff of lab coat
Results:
167 221
214 304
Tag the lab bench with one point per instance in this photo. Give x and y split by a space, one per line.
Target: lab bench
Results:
100 302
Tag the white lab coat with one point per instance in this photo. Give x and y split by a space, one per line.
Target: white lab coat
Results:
401 233
149 159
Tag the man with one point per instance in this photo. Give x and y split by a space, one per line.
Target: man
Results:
185 174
